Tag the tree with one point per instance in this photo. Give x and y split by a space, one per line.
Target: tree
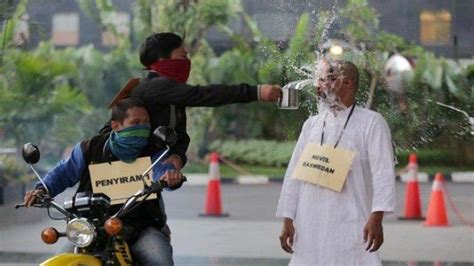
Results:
256 59
422 121
274 65
10 14
191 18
35 90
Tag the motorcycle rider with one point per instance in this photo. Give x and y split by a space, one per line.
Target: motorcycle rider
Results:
167 94
128 140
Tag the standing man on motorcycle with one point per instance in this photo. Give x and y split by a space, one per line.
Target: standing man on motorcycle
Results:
167 95
128 140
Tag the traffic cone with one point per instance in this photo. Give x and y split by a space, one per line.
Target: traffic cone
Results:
213 206
412 192
436 215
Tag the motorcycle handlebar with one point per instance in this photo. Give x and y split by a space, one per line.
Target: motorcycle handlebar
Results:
158 186
155 187
46 203
40 203
36 205
164 184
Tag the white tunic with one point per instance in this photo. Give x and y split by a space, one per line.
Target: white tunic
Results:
329 225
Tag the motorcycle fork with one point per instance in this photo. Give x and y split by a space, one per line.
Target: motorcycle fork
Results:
117 252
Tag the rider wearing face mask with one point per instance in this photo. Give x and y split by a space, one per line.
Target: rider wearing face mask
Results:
127 141
167 95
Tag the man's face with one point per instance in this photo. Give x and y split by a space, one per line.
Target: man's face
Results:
333 85
136 116
179 53
329 79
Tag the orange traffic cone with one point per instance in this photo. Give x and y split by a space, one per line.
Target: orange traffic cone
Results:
412 192
213 205
436 215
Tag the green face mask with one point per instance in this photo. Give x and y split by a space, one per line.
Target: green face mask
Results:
128 144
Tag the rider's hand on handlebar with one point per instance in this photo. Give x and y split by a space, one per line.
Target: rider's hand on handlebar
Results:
32 196
175 160
172 177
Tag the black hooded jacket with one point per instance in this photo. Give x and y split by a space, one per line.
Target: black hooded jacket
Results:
161 93
150 213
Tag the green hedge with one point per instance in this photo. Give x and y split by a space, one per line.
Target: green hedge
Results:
12 170
273 153
256 152
430 157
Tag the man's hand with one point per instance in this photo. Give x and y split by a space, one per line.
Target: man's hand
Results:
175 160
172 177
373 232
32 196
287 234
270 93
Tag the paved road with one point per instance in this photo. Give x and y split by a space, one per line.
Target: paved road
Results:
249 236
258 202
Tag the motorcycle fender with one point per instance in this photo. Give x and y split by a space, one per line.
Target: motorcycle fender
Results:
71 259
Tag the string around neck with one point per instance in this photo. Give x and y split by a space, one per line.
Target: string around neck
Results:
345 125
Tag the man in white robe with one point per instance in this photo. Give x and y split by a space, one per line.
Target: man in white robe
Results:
325 227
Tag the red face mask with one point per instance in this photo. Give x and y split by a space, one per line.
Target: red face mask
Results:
177 69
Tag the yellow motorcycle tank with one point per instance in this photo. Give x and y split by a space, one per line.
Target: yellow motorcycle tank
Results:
123 257
72 259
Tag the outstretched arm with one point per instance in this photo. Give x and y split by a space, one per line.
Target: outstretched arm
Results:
166 91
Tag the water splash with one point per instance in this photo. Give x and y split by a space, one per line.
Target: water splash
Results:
325 33
424 127
470 119
300 84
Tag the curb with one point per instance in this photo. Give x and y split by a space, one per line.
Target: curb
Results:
456 177
202 179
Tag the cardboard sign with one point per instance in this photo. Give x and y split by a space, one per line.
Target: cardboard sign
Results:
124 92
120 180
324 166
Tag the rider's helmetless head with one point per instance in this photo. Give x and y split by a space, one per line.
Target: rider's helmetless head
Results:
129 112
162 46
337 82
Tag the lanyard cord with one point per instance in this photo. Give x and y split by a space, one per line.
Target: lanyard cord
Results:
340 135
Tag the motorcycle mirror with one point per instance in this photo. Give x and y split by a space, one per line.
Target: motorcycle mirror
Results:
164 136
30 153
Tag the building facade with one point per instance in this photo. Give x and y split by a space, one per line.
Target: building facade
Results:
442 26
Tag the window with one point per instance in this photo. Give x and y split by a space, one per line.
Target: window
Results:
65 29
121 22
22 31
435 27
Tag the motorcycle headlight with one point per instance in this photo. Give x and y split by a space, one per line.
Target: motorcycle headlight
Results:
80 232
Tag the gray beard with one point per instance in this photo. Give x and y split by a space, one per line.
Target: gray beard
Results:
330 103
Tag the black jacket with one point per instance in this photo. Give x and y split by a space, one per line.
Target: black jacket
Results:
159 93
149 213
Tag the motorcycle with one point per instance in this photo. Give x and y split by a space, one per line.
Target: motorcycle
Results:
98 236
